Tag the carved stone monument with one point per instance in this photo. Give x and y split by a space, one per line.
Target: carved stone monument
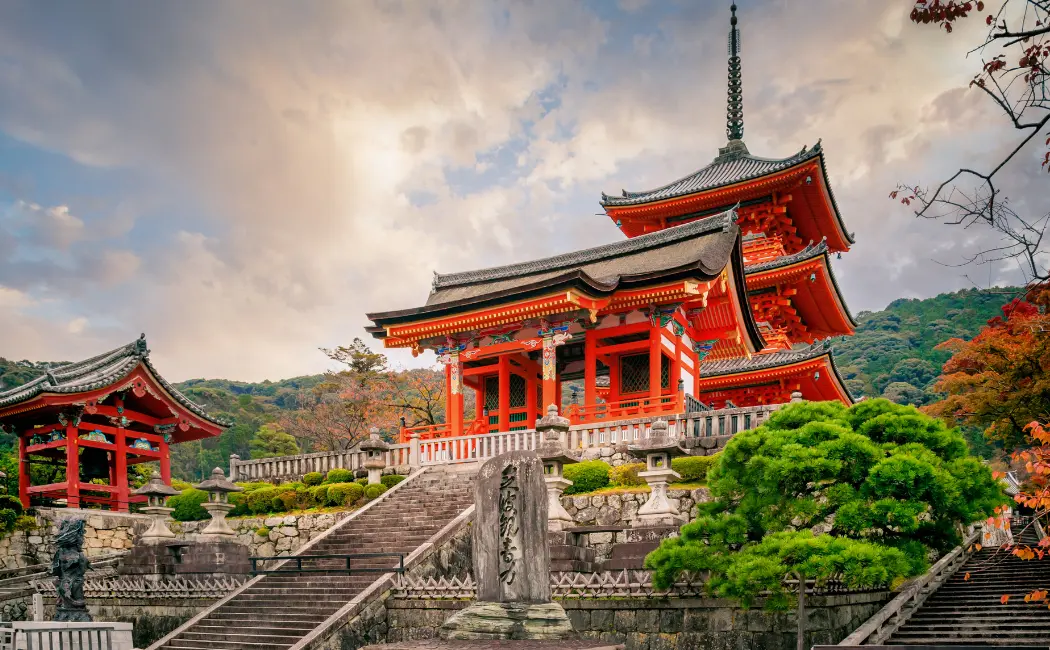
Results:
69 566
511 556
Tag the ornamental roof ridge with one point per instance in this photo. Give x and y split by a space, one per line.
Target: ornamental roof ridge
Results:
719 222
98 372
762 361
809 252
734 164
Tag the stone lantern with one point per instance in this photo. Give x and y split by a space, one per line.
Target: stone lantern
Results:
657 452
218 504
375 455
555 457
155 492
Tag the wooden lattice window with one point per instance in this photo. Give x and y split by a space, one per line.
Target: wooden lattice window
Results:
634 373
517 391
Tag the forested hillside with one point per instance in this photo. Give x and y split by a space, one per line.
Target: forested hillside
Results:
892 354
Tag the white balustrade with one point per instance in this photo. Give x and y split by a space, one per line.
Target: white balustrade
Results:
293 468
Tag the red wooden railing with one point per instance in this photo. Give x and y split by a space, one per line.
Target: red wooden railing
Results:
626 408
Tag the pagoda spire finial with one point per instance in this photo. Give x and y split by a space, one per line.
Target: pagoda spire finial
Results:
735 110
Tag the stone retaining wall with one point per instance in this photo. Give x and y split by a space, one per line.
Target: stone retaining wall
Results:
670 624
622 509
104 534
272 534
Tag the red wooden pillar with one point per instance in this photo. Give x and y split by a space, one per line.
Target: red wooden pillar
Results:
23 470
504 393
530 399
655 344
454 377
550 372
72 466
165 462
590 370
614 378
120 466
676 363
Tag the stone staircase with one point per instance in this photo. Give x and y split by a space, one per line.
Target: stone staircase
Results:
276 611
970 612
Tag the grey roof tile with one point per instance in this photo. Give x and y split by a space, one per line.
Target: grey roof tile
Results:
761 361
98 372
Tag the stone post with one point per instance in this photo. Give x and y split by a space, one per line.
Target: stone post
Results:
375 455
414 460
555 456
657 451
155 492
218 505
234 460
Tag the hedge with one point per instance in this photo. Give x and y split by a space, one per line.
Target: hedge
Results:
626 475
375 491
261 501
9 502
587 476
344 494
187 505
313 478
362 481
339 476
319 494
181 486
240 504
693 468
391 480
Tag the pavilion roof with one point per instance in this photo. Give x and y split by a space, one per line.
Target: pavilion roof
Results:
699 249
777 359
98 372
810 252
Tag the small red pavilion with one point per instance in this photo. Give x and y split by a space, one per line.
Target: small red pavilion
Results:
95 418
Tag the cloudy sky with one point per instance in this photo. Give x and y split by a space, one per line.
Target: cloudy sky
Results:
243 179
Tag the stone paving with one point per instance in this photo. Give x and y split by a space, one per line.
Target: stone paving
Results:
436 644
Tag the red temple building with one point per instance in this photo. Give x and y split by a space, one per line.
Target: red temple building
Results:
93 419
722 296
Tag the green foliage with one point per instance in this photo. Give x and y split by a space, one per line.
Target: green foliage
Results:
313 478
11 503
271 441
693 468
250 487
319 494
239 500
626 475
344 494
391 480
891 484
8 517
180 485
25 523
339 476
587 476
261 501
896 346
374 491
362 481
188 505
262 531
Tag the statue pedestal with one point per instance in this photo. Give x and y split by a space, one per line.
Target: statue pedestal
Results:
508 621
218 529
658 511
557 517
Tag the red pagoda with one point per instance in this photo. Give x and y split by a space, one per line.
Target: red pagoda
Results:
94 418
721 296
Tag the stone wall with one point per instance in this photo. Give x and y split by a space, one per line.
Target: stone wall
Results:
271 534
622 509
105 533
152 618
670 624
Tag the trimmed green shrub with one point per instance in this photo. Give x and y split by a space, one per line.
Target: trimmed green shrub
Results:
258 485
392 480
240 504
339 476
11 503
319 494
313 478
181 486
362 481
284 501
8 517
344 494
693 468
374 491
188 505
587 476
261 501
626 475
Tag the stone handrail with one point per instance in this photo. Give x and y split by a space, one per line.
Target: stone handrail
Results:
293 468
896 613
480 447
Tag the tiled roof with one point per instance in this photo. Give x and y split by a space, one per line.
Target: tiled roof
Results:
98 372
728 168
762 361
720 222
808 253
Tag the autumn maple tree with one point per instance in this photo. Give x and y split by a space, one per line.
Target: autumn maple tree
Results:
1013 74
1000 380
